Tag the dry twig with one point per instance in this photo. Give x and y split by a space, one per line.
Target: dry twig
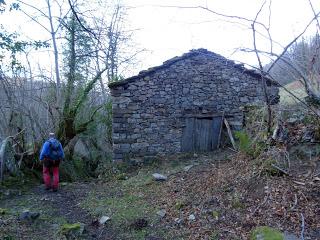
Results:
302 227
280 169
263 203
295 202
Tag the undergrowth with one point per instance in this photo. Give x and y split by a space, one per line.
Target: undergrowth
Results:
248 146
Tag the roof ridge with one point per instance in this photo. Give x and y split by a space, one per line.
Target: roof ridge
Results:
191 53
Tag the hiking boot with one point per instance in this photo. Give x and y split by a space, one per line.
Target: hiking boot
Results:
54 189
47 188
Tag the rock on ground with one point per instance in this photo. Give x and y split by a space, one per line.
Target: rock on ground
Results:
159 177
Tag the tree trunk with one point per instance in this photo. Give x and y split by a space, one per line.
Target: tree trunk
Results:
56 57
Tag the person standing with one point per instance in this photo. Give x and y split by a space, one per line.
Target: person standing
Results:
51 155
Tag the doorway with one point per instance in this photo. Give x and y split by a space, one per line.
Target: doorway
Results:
201 134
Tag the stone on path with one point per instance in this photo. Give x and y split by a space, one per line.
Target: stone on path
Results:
290 236
187 168
192 217
27 215
162 213
178 220
159 177
104 219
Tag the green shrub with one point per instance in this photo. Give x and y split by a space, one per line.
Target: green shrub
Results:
244 141
247 146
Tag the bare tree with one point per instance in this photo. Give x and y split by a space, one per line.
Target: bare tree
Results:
53 28
88 51
262 73
307 77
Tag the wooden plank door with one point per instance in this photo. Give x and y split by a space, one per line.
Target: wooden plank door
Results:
201 134
216 130
187 141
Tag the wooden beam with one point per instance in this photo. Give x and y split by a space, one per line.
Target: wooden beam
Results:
230 133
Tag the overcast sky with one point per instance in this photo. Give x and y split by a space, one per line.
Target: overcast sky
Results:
166 31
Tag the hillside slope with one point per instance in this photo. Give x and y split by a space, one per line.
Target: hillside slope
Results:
295 88
224 195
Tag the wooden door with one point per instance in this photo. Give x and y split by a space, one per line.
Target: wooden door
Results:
201 134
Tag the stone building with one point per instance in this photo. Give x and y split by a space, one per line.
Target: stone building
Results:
179 106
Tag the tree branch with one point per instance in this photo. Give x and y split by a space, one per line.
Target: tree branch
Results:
79 21
83 127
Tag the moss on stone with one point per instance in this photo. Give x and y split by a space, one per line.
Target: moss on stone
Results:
68 228
266 233
215 214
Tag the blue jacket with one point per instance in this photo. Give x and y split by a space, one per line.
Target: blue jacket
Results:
47 152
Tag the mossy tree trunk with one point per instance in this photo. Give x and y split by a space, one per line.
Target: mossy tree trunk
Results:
69 127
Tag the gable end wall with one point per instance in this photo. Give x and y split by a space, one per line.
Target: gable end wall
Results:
149 113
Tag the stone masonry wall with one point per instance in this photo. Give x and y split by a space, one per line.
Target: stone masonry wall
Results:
149 112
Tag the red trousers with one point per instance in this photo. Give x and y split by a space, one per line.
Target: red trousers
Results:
54 168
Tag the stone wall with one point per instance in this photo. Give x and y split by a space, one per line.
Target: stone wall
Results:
149 110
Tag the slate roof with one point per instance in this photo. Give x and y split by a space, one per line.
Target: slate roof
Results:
191 53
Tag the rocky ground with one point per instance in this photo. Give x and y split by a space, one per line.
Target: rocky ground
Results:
224 195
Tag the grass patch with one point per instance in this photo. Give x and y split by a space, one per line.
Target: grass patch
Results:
122 209
127 199
16 184
128 208
138 181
